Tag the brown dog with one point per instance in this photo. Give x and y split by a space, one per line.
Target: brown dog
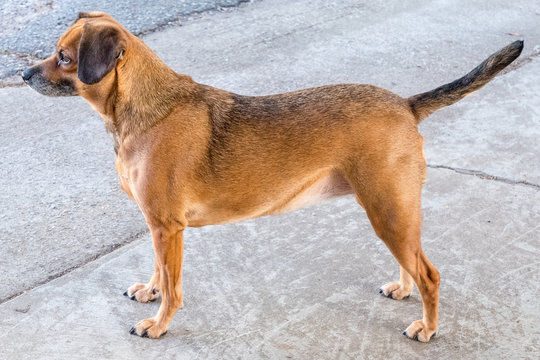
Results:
192 155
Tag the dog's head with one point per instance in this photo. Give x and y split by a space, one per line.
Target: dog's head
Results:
85 56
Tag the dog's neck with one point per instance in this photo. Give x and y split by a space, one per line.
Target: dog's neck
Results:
144 92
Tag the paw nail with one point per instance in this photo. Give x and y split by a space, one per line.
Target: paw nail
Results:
405 333
415 337
154 292
380 291
164 333
144 334
132 297
389 295
126 293
132 331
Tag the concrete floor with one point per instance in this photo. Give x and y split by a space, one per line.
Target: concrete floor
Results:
302 285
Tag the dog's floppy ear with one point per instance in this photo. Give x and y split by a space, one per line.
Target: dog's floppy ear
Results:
99 50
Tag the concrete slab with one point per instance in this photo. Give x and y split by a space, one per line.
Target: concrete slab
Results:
304 286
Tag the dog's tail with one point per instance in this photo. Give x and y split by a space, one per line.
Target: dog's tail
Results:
424 104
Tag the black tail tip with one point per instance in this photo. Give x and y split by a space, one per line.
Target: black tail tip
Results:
517 46
506 55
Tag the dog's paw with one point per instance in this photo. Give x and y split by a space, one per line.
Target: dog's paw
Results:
148 328
142 293
394 291
419 331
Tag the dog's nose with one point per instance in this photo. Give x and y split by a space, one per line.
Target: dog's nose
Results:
27 74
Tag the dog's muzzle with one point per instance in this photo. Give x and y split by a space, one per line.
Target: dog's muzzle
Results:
34 78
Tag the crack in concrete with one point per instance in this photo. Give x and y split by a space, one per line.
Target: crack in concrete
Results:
296 31
485 176
194 14
107 250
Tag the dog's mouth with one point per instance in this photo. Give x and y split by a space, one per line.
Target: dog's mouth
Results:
35 79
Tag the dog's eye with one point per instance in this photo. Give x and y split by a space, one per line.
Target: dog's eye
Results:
62 59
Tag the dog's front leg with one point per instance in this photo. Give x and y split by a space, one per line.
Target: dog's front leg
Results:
168 243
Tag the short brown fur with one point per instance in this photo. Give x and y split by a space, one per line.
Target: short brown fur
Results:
192 155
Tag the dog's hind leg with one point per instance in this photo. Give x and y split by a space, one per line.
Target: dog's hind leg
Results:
391 198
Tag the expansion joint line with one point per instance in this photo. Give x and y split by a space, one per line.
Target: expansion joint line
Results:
485 176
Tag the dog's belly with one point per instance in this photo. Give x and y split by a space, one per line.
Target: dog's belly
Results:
326 187
305 193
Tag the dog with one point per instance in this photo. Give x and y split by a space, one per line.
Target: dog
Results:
193 155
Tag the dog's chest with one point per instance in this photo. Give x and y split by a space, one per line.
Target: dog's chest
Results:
123 177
